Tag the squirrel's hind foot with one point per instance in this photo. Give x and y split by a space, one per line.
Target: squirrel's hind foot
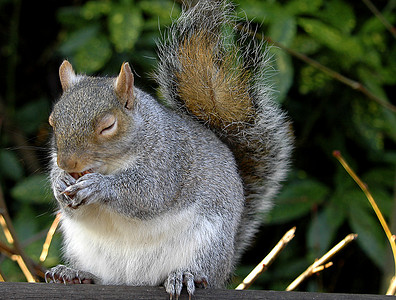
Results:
66 275
175 281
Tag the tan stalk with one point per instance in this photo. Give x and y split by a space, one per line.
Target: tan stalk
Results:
48 240
263 265
317 265
364 188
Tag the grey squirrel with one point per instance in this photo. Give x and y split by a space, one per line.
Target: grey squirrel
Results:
154 194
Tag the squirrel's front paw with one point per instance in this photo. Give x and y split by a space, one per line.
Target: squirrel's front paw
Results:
175 281
87 189
62 182
66 275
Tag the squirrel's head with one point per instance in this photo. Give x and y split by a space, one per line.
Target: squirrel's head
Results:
90 119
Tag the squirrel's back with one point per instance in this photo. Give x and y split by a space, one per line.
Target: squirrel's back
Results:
219 75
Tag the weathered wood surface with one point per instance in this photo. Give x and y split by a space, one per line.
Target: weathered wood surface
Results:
18 290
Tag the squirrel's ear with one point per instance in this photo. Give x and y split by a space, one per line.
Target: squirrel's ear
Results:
67 75
124 86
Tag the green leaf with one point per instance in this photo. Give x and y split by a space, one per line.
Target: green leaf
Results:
88 48
125 25
78 39
384 200
261 11
25 222
303 6
380 177
71 16
161 10
367 118
32 115
342 180
34 189
353 196
283 78
93 55
283 30
332 12
96 9
333 38
371 237
297 200
312 79
324 227
10 165
305 44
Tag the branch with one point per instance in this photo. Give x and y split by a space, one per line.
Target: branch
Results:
12 254
264 264
24 261
312 269
380 17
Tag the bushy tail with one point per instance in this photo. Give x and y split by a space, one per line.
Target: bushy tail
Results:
219 76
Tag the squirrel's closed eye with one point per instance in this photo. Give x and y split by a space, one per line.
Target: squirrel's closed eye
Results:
108 126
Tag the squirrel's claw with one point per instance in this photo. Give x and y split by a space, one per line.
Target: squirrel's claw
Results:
66 275
175 281
86 189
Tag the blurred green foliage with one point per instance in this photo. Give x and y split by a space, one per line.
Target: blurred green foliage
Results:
319 197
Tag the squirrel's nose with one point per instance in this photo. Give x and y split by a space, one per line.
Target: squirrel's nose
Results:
69 164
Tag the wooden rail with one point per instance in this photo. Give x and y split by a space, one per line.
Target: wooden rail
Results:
18 290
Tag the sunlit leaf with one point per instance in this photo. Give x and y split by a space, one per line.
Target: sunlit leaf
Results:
303 6
333 38
125 24
93 55
95 9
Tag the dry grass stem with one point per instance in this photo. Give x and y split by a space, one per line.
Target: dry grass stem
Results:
23 267
392 287
49 237
321 261
263 265
6 232
322 267
375 207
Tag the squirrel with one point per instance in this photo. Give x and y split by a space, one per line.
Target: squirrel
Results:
169 194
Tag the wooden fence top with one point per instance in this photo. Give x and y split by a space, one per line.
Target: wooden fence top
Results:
19 290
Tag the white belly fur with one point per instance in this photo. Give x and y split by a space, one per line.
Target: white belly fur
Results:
123 250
